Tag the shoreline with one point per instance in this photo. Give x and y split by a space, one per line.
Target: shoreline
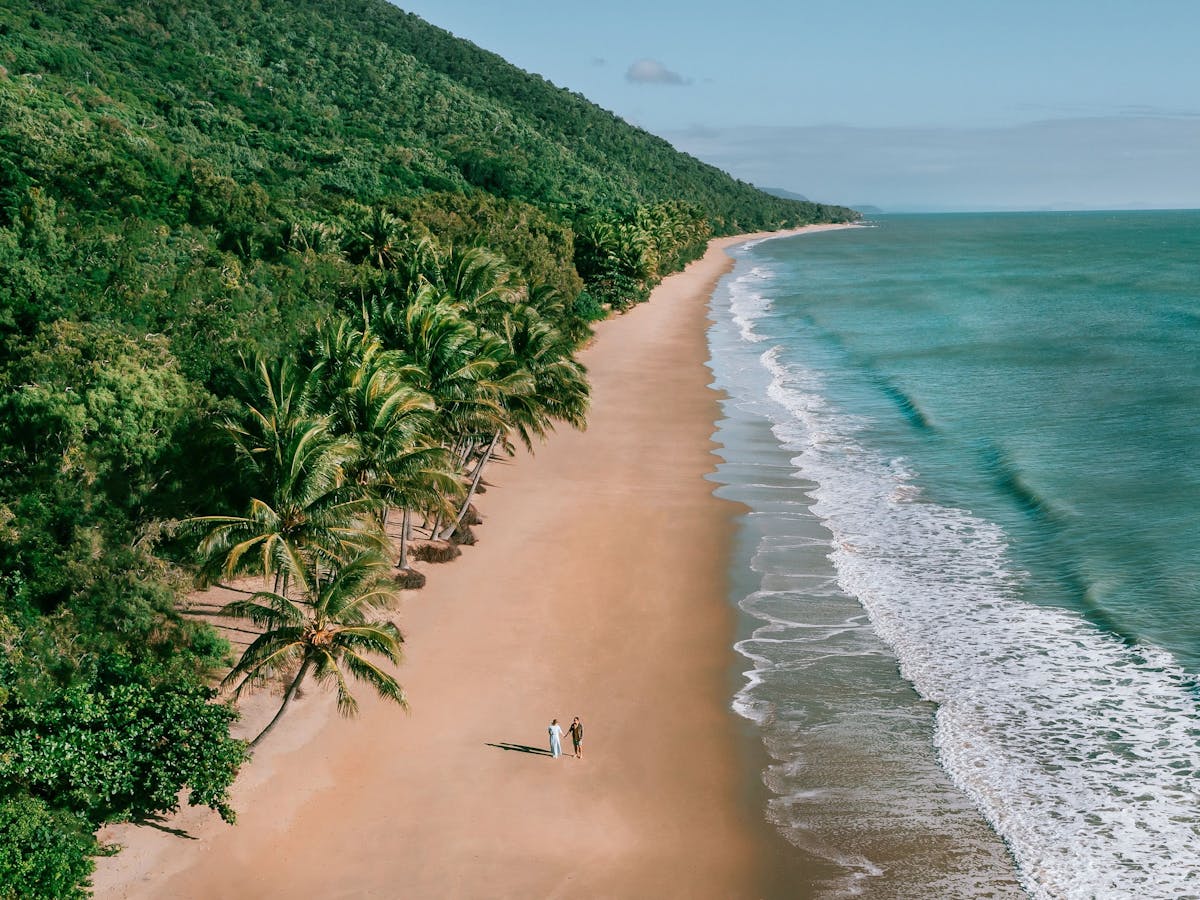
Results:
598 588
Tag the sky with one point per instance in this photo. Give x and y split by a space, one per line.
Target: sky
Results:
906 105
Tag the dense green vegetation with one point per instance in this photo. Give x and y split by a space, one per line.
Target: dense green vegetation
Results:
270 274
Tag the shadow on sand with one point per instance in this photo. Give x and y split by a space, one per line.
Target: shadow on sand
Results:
522 748
153 821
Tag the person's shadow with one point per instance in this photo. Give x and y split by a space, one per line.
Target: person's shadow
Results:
521 748
155 821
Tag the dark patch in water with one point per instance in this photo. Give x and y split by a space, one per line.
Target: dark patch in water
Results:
903 401
1008 479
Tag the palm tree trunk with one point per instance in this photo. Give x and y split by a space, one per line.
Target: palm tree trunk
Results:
487 454
404 532
287 698
228 587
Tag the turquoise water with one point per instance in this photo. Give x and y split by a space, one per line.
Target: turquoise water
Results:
975 546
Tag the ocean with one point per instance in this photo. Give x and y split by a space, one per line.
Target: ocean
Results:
969 569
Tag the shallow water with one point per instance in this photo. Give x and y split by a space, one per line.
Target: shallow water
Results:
969 444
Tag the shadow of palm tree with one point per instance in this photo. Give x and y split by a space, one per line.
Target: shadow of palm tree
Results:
522 748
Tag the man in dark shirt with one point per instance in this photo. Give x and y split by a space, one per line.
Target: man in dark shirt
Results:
576 730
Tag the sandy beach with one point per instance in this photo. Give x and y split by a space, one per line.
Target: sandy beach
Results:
597 589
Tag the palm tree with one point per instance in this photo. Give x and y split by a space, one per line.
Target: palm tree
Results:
678 233
489 360
370 394
419 263
301 501
545 384
329 629
453 361
378 239
479 282
559 381
312 237
617 260
445 350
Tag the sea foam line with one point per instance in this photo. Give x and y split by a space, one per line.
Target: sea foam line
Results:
1081 752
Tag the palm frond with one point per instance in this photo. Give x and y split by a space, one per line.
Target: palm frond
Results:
381 637
265 609
384 684
265 656
327 668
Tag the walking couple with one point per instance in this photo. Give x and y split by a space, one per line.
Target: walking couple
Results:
556 734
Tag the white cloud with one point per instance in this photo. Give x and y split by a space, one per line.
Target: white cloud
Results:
651 71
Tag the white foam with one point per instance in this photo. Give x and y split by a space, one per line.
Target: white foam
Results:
1083 753
748 301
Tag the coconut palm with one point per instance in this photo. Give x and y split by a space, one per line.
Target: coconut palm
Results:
549 302
301 502
453 362
480 282
369 393
457 365
559 381
331 359
312 237
678 232
419 263
623 248
328 628
546 384
378 239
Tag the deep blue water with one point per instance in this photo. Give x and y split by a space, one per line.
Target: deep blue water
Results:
976 518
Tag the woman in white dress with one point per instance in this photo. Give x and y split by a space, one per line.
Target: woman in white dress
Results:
556 734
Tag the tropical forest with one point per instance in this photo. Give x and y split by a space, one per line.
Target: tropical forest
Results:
278 278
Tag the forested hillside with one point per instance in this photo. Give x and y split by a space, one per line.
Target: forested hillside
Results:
273 275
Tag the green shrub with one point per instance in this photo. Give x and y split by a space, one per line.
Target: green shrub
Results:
44 852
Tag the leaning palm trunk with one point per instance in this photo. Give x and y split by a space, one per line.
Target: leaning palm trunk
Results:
475 479
331 628
287 698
